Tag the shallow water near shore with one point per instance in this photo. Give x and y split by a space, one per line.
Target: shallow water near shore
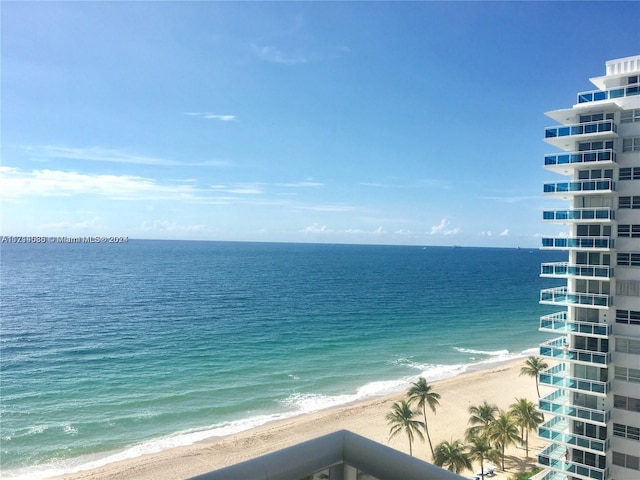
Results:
112 351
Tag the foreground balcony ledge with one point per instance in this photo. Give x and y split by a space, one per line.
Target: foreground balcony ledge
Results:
337 452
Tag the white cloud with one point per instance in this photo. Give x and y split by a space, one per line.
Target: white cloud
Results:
315 228
487 234
213 116
442 228
505 233
167 226
300 184
100 154
15 183
241 188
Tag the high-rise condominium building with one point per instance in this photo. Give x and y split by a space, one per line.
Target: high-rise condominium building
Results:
592 418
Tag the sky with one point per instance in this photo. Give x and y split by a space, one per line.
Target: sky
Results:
417 123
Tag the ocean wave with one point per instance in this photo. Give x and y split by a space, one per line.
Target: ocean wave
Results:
296 404
482 352
188 437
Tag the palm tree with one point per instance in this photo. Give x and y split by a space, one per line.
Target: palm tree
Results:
482 416
503 432
402 419
422 395
527 417
480 449
452 455
532 368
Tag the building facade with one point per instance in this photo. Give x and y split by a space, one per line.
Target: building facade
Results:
592 418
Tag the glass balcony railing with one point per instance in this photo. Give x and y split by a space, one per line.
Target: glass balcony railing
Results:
559 350
557 430
555 457
562 296
597 95
589 156
558 404
579 242
558 323
558 377
588 128
566 269
580 186
599 214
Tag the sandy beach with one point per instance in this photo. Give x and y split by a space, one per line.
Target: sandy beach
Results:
499 384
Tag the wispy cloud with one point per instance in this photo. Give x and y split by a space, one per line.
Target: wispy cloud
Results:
315 228
16 183
443 228
513 199
505 233
241 188
300 184
213 116
272 54
100 154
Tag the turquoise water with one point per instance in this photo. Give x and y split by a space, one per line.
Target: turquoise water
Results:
111 351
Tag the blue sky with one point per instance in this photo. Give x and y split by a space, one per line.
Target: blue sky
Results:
390 123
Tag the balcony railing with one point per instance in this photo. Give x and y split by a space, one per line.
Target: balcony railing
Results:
566 269
557 430
558 323
597 95
604 185
578 158
563 243
562 296
558 349
558 404
558 377
599 214
581 129
556 457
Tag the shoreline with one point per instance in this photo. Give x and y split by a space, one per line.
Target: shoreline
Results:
479 382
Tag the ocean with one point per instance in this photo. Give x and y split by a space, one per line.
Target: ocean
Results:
109 351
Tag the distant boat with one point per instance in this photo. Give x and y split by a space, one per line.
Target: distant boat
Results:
457 246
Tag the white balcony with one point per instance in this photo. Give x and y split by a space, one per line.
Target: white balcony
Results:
566 162
562 296
582 215
569 270
565 136
566 190
558 323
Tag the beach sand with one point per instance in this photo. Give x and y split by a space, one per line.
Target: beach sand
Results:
499 384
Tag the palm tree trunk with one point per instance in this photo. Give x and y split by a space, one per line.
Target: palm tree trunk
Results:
426 429
526 442
503 457
410 448
537 387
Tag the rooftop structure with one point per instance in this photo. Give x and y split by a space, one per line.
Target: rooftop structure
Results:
338 456
593 415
